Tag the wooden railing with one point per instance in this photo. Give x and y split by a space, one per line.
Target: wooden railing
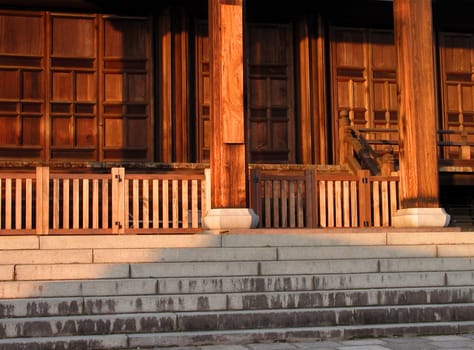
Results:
456 150
376 149
359 152
310 198
45 202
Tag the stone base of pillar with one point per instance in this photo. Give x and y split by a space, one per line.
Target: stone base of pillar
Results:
421 217
230 218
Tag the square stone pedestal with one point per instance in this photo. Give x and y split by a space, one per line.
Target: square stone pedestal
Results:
421 217
230 218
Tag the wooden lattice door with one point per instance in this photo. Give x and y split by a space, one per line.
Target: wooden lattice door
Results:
75 87
363 79
270 94
457 82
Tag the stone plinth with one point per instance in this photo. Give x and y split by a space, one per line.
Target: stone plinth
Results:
230 218
421 217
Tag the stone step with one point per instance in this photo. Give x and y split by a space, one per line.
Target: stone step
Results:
76 342
44 307
303 334
31 272
247 238
148 322
146 341
230 284
215 254
140 291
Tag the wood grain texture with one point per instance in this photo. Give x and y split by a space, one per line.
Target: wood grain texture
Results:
417 119
227 156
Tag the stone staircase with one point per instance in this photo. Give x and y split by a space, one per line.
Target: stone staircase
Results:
235 287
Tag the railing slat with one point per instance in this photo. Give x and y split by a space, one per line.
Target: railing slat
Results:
345 204
8 204
292 204
194 204
338 203
145 204
354 205
66 207
29 205
393 197
135 201
85 203
18 204
284 203
385 204
184 204
322 204
156 204
300 203
376 203
56 203
268 216
105 204
165 204
95 204
75 203
276 204
330 198
126 210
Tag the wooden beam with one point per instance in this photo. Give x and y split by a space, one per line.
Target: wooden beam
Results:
417 103
227 158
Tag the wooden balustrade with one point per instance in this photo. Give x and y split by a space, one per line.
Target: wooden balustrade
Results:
310 198
379 148
45 202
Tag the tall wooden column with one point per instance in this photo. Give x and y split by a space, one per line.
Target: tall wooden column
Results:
419 181
227 158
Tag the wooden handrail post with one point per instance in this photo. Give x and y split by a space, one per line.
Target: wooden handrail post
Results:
207 199
344 146
388 161
465 148
309 197
365 199
118 200
42 200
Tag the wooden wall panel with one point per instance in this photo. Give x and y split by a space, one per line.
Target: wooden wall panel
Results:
22 33
128 122
70 77
363 71
22 94
270 94
203 92
73 69
457 65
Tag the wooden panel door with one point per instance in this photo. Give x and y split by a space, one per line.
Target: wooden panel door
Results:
270 94
457 82
127 89
73 87
363 79
22 94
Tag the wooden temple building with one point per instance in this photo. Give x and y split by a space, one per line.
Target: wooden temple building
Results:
241 90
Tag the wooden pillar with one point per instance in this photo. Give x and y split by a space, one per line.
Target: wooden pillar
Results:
227 157
417 120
